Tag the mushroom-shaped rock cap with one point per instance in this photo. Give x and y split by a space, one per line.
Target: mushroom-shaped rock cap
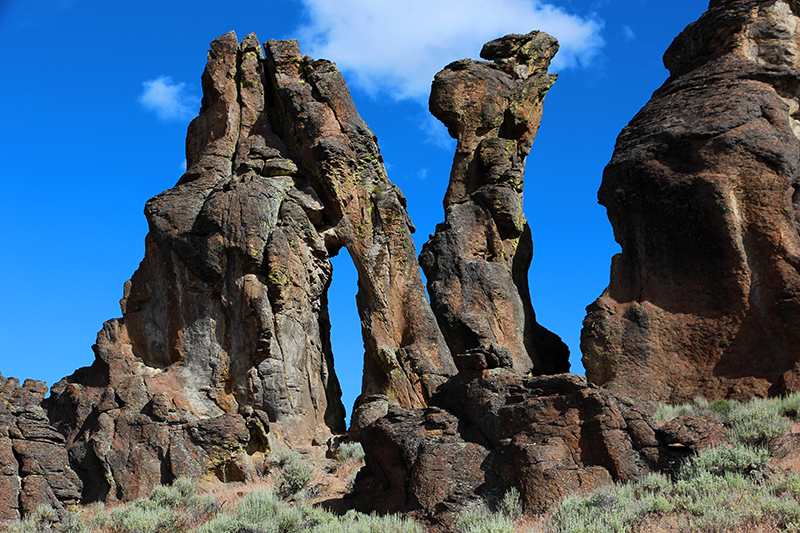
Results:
534 50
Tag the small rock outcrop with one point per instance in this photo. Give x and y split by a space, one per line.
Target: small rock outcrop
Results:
493 429
224 340
703 195
34 467
477 262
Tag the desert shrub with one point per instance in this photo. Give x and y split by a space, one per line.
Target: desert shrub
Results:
700 406
608 509
511 505
349 451
722 460
139 519
72 522
790 405
42 519
264 511
721 406
724 488
175 495
756 422
666 412
353 522
482 522
295 475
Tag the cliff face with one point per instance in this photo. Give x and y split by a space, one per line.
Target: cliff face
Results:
224 339
702 192
477 262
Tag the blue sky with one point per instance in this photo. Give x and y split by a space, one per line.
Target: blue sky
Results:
97 96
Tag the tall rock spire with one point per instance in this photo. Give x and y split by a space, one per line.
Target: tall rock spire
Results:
477 261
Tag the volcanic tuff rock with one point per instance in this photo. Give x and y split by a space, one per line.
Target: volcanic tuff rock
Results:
34 467
224 339
477 261
703 195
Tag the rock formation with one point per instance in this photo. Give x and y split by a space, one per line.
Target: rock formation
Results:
491 427
477 261
34 467
702 192
224 339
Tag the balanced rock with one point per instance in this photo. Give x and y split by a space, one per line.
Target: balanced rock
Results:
477 262
224 340
702 192
34 467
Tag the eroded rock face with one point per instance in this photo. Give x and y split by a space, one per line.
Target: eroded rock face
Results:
34 467
493 429
224 339
702 192
477 261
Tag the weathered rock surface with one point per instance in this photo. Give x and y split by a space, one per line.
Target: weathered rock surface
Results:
702 192
224 339
477 262
494 429
34 467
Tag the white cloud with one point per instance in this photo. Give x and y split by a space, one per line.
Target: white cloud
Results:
168 99
395 48
628 34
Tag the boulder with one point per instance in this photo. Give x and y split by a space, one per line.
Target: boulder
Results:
490 430
702 192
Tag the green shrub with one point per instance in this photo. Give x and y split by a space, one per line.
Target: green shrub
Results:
722 460
295 473
700 407
790 405
354 522
756 422
511 505
349 451
608 509
481 522
721 407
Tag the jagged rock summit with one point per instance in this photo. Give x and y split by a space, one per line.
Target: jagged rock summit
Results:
34 467
702 192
